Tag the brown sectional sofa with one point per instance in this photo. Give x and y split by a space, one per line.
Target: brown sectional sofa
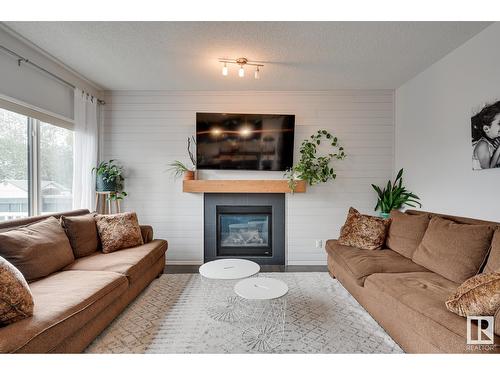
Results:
406 299
74 305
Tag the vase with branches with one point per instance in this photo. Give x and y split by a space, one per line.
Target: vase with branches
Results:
178 168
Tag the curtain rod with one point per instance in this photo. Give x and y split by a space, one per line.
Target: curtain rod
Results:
21 59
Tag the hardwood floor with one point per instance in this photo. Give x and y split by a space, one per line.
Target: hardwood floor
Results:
194 269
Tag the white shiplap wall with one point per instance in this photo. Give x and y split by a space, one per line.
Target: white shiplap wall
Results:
145 130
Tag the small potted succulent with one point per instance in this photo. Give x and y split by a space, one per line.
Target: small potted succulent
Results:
179 169
109 178
394 196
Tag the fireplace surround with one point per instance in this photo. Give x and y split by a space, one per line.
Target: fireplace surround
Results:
246 226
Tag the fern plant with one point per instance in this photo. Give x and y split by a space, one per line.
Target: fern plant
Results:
394 195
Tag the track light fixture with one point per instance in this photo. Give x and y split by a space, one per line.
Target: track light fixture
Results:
242 61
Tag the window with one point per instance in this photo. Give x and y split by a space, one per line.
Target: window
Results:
36 166
55 168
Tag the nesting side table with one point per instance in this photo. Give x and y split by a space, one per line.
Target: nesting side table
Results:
218 279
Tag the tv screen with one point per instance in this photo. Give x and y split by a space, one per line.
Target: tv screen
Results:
244 141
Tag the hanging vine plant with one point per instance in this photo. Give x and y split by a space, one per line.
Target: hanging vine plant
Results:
314 168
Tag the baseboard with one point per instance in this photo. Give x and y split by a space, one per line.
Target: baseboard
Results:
307 263
184 262
293 263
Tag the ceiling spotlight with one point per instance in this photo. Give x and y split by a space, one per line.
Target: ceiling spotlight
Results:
242 61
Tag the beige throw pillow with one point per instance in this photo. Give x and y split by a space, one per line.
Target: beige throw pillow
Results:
363 231
493 263
452 250
38 249
479 295
16 301
406 232
118 231
82 234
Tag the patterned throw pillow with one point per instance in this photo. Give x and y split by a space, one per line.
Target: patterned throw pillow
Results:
16 301
479 295
363 231
118 231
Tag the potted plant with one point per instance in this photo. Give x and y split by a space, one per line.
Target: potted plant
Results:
179 169
109 177
394 195
312 168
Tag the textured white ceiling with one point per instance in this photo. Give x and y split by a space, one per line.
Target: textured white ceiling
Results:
297 55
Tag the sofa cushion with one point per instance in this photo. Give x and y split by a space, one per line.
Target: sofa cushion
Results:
493 263
82 234
479 295
132 262
363 263
16 301
64 302
38 249
455 251
406 232
363 231
118 231
418 299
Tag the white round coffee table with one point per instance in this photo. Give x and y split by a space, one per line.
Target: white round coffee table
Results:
261 288
229 269
264 308
218 278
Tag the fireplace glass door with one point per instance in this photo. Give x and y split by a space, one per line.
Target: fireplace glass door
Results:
244 230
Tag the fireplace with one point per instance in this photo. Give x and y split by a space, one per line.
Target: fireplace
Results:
249 226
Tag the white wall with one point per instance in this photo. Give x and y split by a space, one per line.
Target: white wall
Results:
147 130
33 87
433 134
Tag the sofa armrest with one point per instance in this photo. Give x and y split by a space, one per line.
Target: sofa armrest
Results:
497 323
147 233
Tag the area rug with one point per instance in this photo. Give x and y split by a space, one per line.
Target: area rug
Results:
170 316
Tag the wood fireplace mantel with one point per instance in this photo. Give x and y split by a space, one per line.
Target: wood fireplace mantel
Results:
241 186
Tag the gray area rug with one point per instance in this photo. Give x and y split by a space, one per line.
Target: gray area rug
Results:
171 316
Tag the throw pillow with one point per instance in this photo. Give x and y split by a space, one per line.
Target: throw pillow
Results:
118 231
493 263
82 234
452 250
16 301
406 232
38 249
479 295
363 231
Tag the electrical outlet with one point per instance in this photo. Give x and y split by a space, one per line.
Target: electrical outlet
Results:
319 244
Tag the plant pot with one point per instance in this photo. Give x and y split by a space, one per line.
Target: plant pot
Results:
384 215
102 185
189 175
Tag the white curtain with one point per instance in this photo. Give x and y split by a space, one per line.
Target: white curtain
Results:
85 150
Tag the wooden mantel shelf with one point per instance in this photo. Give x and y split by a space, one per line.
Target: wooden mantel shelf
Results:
241 186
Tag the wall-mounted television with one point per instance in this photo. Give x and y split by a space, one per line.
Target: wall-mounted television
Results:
244 141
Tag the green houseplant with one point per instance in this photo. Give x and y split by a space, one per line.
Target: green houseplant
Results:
179 169
109 177
394 196
314 168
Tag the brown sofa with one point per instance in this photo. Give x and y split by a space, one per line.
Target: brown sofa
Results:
406 299
74 305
